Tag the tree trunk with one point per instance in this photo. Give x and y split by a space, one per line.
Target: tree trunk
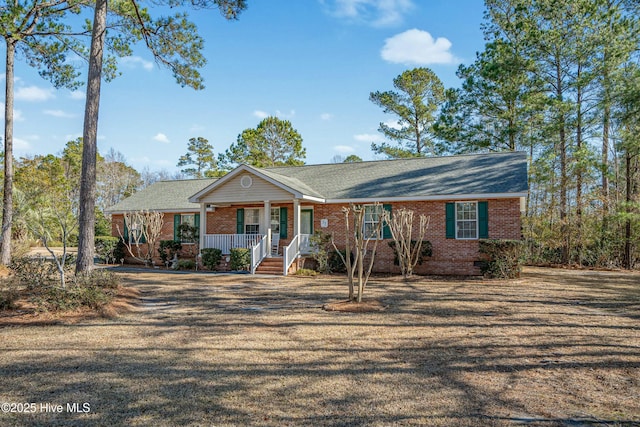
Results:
628 262
86 235
7 199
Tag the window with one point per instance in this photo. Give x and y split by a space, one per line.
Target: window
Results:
252 221
466 220
372 216
275 221
186 227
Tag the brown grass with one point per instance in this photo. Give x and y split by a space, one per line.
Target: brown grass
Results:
554 348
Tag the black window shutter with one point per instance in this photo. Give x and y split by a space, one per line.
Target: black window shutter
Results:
483 220
283 222
386 231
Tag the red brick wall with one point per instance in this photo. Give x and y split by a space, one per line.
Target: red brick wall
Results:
450 256
188 250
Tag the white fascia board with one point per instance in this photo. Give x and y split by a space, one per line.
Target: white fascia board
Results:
431 198
194 210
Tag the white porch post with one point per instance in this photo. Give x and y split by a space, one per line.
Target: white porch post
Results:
267 224
203 226
296 217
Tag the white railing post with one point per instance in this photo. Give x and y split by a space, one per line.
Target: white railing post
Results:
291 252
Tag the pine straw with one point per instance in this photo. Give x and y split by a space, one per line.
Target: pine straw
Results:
555 347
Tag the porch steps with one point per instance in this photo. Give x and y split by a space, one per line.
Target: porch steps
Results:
272 266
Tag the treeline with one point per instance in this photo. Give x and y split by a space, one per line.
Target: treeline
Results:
560 79
46 193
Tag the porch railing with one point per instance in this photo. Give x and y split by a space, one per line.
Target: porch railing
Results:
258 252
291 252
225 242
305 244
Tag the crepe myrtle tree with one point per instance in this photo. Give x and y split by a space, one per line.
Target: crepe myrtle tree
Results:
141 233
358 237
408 247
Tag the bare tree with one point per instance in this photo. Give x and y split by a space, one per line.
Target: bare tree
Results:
362 236
407 249
144 228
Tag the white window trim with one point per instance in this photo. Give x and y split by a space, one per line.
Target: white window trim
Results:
259 223
477 220
277 209
364 222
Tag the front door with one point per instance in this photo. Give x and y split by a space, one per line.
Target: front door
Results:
306 229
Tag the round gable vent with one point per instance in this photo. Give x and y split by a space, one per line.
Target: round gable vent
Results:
246 181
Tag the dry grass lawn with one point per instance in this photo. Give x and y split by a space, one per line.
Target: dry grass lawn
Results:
554 348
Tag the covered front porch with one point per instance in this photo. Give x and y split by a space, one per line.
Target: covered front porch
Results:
261 246
248 208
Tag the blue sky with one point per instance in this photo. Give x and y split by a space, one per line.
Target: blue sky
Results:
312 62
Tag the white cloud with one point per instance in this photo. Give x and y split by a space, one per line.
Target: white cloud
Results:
59 113
368 137
136 61
196 128
378 13
261 114
393 125
161 137
417 47
20 144
326 116
33 93
344 149
77 94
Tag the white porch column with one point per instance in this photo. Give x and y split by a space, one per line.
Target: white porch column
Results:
267 224
203 226
296 217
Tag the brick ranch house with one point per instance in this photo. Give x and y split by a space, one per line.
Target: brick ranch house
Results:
467 197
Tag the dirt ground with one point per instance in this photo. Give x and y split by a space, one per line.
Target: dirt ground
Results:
554 348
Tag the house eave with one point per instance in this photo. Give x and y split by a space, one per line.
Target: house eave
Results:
436 197
122 212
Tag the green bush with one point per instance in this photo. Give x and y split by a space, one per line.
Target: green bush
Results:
503 258
305 272
211 257
168 249
73 297
33 273
240 259
426 251
186 264
106 247
335 263
320 249
8 298
99 278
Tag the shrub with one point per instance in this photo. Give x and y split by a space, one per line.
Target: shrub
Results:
503 258
335 264
426 251
8 298
186 264
106 247
73 297
99 278
168 249
211 257
320 249
33 273
240 259
305 272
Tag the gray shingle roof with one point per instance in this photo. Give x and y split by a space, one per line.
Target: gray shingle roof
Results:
165 196
477 174
495 173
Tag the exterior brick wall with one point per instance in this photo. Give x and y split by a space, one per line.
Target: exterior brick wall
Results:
450 256
166 233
